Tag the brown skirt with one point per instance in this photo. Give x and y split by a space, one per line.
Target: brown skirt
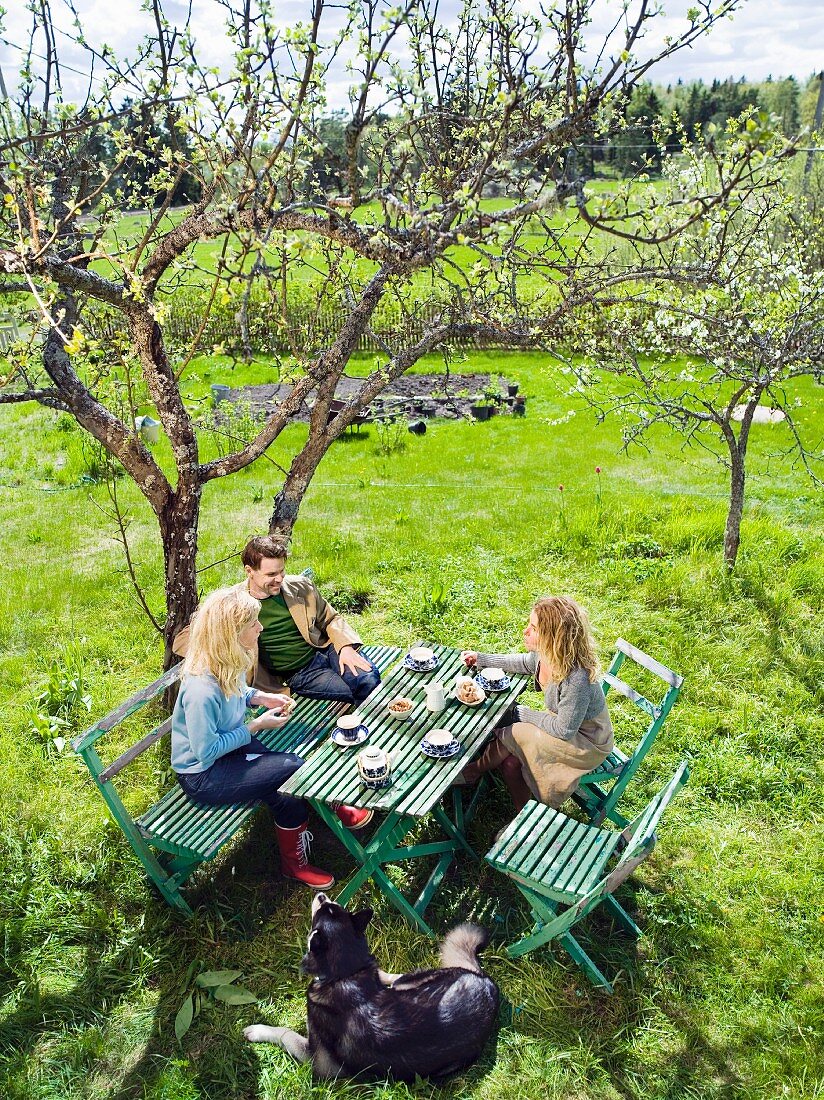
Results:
551 766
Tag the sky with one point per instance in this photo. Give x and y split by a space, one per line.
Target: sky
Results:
765 37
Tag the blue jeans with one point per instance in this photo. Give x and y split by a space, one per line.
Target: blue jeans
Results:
322 678
233 778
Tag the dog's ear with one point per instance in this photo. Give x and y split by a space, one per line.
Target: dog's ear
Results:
317 940
361 919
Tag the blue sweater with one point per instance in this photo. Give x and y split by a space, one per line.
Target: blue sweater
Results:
206 724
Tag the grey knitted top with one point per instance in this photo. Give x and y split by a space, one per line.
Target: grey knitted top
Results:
569 704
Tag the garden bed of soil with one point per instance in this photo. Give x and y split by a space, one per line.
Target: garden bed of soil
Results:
413 396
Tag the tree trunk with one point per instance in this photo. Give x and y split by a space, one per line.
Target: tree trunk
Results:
732 532
293 490
178 529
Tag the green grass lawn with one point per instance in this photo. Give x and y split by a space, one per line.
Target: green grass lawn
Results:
450 539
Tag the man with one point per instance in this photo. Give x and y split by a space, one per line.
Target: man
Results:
305 644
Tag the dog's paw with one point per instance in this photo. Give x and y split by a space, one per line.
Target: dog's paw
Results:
262 1033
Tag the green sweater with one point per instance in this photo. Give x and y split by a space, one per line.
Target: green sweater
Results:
281 645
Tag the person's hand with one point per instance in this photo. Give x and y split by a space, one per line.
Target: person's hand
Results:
469 657
269 720
273 700
351 661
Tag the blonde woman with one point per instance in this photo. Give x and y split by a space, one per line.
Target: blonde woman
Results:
215 755
544 753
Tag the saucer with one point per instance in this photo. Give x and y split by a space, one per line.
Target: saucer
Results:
419 666
339 739
440 753
503 685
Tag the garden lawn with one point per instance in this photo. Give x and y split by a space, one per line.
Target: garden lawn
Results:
450 540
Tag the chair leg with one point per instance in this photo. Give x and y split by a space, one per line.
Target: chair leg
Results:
541 936
622 917
576 952
546 929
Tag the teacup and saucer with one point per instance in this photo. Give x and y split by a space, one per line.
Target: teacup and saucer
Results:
350 730
493 679
420 658
440 744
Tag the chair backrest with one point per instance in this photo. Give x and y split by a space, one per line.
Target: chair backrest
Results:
656 712
640 832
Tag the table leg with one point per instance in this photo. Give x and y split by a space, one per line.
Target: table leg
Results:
383 848
396 897
452 830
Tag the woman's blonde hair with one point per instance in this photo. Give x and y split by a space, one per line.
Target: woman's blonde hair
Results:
214 638
565 637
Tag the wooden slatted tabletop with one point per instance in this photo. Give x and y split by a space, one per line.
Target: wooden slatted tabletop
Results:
418 781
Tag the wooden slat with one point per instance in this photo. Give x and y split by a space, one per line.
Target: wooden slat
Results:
649 663
182 827
631 694
131 754
504 851
133 703
536 839
556 858
590 858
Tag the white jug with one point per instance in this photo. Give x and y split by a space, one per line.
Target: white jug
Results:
435 698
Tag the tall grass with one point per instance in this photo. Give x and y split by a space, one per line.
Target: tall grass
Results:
449 540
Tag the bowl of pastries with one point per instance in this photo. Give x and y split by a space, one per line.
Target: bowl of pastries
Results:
400 708
468 692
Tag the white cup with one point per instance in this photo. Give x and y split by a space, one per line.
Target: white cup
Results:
440 739
349 724
421 654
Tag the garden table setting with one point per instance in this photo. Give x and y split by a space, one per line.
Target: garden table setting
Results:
408 775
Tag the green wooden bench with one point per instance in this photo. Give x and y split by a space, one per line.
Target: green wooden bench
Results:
175 836
600 790
560 866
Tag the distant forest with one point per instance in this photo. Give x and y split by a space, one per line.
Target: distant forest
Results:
674 114
658 118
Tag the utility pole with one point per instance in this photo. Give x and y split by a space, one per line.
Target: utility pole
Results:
819 115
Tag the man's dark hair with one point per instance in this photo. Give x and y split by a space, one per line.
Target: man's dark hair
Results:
264 546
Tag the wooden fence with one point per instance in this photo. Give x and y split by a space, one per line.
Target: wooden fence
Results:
310 329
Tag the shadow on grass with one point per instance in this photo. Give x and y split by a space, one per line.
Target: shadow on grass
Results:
80 1031
242 899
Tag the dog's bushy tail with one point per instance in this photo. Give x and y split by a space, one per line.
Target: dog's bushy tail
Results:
461 945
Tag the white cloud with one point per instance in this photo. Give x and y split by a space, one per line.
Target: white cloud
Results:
765 37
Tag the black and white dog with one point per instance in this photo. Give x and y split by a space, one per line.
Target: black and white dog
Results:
430 1023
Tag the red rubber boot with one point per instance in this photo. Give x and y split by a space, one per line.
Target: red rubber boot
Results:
294 858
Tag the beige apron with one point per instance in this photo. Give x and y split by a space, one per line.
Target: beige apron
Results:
551 766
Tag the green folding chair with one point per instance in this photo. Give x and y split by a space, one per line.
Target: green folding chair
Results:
599 790
561 867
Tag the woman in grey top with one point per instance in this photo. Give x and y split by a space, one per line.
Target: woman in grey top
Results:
544 753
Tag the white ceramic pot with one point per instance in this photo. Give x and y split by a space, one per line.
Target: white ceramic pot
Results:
374 768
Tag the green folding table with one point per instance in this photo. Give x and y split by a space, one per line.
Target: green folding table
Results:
419 782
